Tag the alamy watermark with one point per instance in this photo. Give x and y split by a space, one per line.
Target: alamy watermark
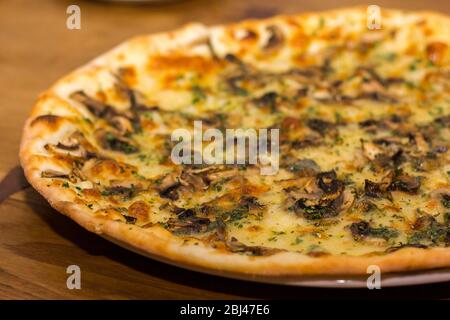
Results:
374 280
74 280
73 21
229 146
373 17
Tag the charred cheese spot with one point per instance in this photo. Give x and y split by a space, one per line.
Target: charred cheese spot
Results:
128 75
111 214
91 193
436 52
182 63
139 210
107 169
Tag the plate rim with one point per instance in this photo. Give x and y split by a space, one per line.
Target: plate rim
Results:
394 279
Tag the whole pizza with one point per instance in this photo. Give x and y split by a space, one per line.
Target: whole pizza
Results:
362 122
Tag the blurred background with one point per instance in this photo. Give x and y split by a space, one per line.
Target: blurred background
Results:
37 48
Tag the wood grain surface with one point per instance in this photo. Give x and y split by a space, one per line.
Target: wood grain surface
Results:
36 243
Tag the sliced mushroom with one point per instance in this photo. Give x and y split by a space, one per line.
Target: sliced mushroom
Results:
275 39
301 167
50 173
307 141
405 183
370 150
440 193
221 230
321 126
68 147
267 100
379 190
112 141
168 186
234 245
348 198
122 124
421 144
188 225
328 182
97 108
322 197
126 192
362 229
197 182
222 174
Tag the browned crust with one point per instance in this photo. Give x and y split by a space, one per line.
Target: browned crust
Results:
162 244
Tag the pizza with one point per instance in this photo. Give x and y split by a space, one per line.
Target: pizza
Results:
363 171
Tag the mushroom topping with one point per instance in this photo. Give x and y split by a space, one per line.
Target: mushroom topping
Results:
275 38
361 230
197 182
250 202
405 183
377 96
50 173
328 182
369 124
311 209
190 180
429 230
97 108
187 222
384 154
374 87
168 186
235 60
88 151
234 245
405 245
125 192
307 141
221 229
446 200
348 198
188 225
379 190
443 121
267 100
324 198
441 193
301 167
111 141
320 126
72 145
221 174
122 124
421 144
233 207
392 123
68 147
372 189
183 213
370 150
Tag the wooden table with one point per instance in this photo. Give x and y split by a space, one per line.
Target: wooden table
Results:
36 243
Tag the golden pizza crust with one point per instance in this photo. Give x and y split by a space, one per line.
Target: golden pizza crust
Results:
160 243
